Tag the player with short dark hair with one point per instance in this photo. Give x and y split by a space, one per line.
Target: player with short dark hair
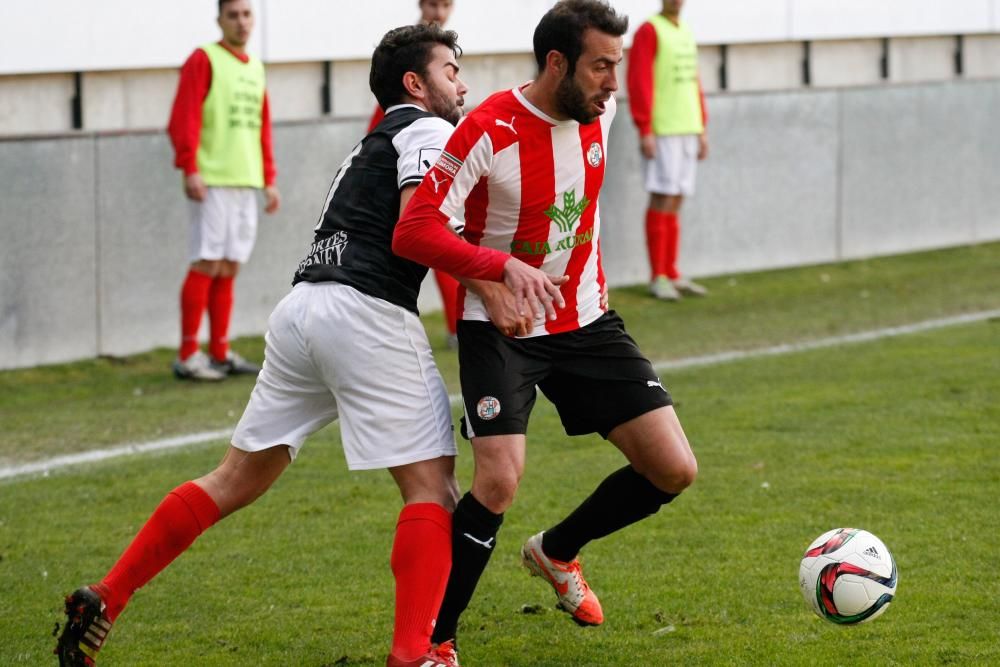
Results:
668 109
345 343
435 12
220 127
527 165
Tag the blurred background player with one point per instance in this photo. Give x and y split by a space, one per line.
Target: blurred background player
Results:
345 343
435 12
668 109
220 126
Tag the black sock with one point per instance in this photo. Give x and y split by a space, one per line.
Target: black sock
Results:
623 498
473 537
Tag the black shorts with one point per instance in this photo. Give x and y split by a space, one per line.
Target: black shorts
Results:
596 377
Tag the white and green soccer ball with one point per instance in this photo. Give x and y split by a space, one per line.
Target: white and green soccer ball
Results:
848 576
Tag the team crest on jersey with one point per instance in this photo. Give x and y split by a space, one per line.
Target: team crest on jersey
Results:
449 164
595 154
488 408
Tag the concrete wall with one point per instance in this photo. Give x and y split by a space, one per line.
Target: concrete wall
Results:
119 34
93 227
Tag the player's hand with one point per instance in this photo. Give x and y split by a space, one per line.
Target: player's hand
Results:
273 198
702 146
535 293
194 187
604 298
501 306
647 146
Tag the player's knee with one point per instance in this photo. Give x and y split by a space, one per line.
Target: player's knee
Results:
496 493
675 478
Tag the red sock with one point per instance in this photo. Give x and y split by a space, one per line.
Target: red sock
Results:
421 561
194 299
183 515
656 240
672 225
220 307
448 287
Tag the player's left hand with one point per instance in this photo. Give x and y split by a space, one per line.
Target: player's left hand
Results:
273 198
536 293
501 306
702 146
604 298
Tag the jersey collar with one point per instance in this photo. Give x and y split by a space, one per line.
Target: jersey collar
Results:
538 112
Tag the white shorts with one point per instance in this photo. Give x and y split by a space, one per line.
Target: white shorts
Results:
332 352
224 226
672 170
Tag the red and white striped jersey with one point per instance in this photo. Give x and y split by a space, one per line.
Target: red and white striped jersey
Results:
529 185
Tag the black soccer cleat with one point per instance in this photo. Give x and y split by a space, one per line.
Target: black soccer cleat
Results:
85 630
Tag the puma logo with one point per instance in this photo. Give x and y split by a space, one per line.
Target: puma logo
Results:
650 383
509 126
488 543
434 179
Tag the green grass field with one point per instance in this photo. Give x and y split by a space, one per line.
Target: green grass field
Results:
897 436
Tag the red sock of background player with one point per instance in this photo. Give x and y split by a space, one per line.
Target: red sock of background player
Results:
448 287
194 300
672 225
183 515
421 561
220 308
656 239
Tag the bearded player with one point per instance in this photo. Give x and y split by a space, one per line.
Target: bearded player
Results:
528 165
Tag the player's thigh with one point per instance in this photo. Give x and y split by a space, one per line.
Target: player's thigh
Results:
376 358
601 379
687 164
662 173
209 225
428 481
290 400
498 377
656 446
241 223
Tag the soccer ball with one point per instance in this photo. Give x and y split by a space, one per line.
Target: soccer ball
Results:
848 576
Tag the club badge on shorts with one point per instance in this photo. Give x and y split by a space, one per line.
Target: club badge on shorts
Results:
488 408
595 154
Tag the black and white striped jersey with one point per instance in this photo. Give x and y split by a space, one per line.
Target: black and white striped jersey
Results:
353 240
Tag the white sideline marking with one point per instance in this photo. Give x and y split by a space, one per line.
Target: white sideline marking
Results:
832 341
48 465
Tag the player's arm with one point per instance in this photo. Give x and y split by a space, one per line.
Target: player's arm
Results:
501 306
184 127
267 150
422 235
703 137
639 80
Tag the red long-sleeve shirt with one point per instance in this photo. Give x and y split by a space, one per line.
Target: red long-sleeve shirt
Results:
639 80
185 116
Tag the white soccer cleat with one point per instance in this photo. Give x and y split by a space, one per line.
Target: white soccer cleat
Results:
690 287
663 289
197 367
575 596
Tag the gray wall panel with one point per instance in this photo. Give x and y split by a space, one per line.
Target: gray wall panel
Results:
766 195
143 228
48 302
920 167
307 158
792 179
